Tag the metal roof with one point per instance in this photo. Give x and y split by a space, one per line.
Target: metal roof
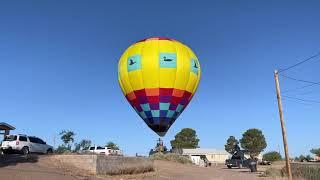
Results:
8 126
202 151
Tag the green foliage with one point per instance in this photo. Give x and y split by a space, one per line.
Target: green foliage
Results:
84 144
186 138
253 142
62 149
171 157
67 138
272 156
112 145
232 145
315 151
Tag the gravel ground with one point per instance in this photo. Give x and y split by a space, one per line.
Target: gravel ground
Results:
17 167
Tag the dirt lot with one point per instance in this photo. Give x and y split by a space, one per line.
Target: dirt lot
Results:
17 167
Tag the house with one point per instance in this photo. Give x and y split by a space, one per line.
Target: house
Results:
5 129
213 155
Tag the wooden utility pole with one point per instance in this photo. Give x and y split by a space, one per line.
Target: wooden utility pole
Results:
283 127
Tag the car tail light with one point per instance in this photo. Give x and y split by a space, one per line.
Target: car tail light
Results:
17 142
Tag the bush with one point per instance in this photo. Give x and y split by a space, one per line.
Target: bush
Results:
272 156
272 172
171 157
62 150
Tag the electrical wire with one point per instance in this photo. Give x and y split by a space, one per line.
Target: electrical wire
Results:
299 63
299 99
300 80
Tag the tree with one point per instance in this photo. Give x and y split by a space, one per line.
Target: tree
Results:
186 138
272 156
253 142
232 145
315 151
67 138
84 144
112 145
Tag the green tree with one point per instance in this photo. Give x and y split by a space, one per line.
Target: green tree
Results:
253 142
84 144
232 145
302 158
67 138
186 138
112 145
315 151
272 156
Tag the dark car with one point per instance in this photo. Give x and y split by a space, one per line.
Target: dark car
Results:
238 160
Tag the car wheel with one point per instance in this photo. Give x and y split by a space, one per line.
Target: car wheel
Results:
49 151
25 150
229 167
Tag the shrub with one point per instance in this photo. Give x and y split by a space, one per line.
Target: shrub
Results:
62 150
273 172
171 157
272 156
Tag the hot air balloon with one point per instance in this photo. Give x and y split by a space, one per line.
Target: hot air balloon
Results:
158 77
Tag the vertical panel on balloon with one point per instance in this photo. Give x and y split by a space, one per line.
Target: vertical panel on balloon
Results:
134 66
123 74
150 65
168 62
193 56
182 72
193 78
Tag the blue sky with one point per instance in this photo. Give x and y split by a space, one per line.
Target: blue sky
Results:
58 68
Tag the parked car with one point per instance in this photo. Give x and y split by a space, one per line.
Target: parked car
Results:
24 144
104 151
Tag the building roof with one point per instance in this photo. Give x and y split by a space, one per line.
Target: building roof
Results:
5 126
202 151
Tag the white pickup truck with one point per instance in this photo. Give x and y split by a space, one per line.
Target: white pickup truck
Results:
105 151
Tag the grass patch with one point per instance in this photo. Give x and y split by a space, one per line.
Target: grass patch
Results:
171 157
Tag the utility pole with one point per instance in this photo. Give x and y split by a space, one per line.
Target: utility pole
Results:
283 127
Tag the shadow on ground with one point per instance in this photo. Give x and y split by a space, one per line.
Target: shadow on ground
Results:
14 159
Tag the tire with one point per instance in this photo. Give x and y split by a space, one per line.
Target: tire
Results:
49 151
25 150
229 167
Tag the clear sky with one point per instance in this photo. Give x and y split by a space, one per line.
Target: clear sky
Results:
58 68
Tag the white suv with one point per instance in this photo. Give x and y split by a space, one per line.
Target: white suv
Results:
24 144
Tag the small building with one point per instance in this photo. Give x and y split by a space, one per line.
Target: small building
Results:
5 129
213 155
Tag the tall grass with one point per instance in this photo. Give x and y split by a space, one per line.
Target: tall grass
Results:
171 157
310 171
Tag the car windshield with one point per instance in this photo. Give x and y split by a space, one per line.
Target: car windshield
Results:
99 147
10 138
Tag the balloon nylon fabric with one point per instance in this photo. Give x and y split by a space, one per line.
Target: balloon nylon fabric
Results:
159 76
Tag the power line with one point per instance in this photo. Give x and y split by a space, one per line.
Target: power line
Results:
305 100
299 63
300 80
298 88
298 102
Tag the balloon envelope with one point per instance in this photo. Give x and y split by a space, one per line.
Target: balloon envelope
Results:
159 76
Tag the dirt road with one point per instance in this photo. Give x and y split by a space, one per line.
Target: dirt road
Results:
17 167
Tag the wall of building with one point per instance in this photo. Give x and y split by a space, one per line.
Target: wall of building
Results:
218 158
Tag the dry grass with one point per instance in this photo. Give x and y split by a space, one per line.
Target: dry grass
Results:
171 157
128 166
